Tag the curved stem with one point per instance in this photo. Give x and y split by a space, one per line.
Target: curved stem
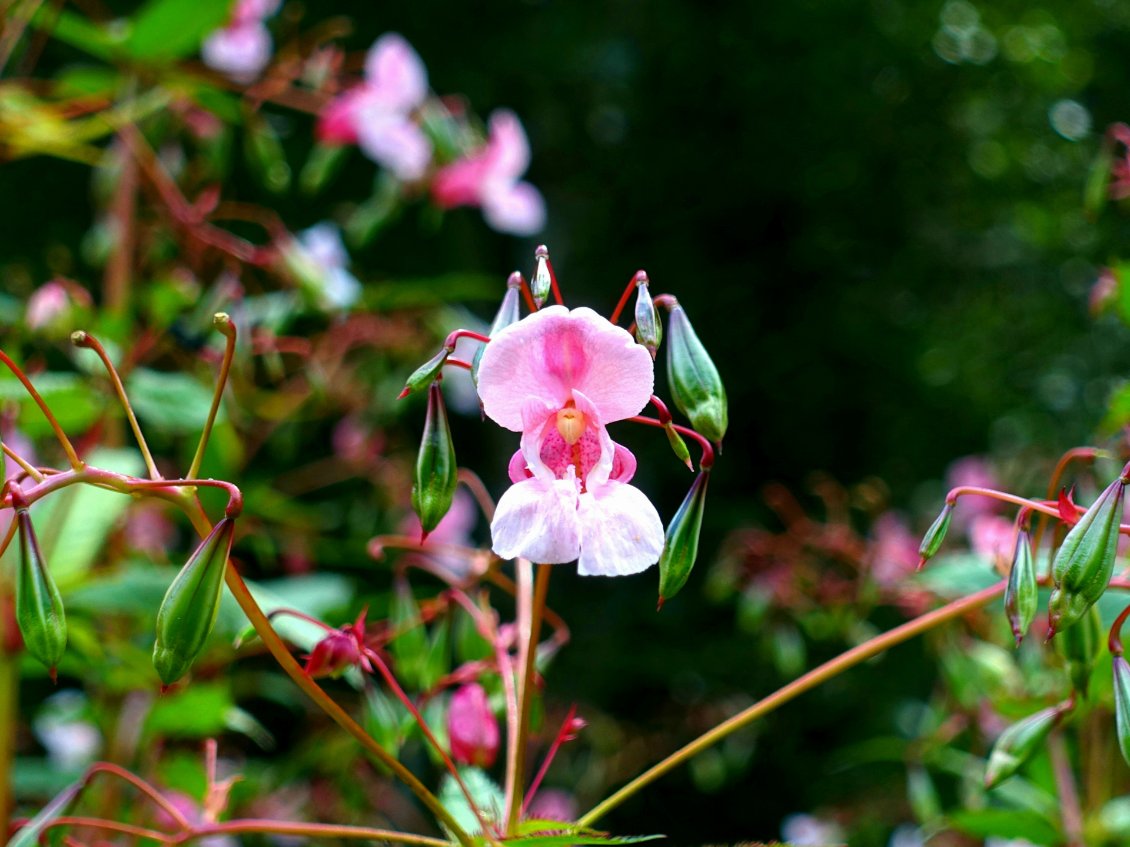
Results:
312 830
84 339
706 461
224 324
27 467
64 442
816 676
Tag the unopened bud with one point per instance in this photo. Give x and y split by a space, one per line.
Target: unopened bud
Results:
1122 704
1085 560
426 374
649 329
1021 595
1081 646
680 548
694 381
435 479
678 445
542 281
1019 742
335 653
935 535
191 604
472 728
39 608
508 313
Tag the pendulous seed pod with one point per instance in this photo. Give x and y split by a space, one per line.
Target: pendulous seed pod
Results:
649 329
39 608
426 374
1080 646
433 486
191 604
680 548
1122 704
695 384
541 283
1019 742
935 535
1022 595
1085 561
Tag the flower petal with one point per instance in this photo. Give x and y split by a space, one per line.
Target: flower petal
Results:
621 532
514 207
538 521
507 148
393 142
397 73
548 354
240 51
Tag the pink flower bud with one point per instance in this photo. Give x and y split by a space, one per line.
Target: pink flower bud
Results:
471 727
336 652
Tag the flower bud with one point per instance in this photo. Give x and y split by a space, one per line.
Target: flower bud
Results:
472 728
1021 595
508 313
434 484
678 445
39 608
649 330
1122 704
681 544
1019 742
935 535
426 374
191 604
542 281
336 652
1080 646
694 381
1085 560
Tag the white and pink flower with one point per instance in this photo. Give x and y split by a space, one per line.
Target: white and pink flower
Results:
242 48
559 377
490 178
376 114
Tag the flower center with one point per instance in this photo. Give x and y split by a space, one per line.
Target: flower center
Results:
571 424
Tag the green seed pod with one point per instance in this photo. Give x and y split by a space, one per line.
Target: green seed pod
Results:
426 374
542 281
1021 596
1080 647
1122 705
694 381
1085 560
1019 742
191 604
935 535
39 608
649 329
434 485
680 547
508 313
678 445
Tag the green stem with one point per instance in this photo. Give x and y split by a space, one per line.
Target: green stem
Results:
528 665
810 680
224 324
311 830
9 712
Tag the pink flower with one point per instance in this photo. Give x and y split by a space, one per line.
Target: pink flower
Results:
472 728
376 114
559 378
489 178
242 48
992 536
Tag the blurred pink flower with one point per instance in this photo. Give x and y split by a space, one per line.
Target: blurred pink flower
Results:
454 529
973 471
377 113
894 551
242 48
552 804
992 536
472 728
52 305
559 377
490 178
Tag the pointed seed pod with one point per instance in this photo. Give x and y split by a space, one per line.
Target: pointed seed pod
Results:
426 374
1019 742
433 487
935 535
39 608
678 445
649 329
1081 646
1085 560
1122 705
508 313
680 547
191 604
542 281
694 381
1021 595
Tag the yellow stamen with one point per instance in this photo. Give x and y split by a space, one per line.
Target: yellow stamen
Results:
571 424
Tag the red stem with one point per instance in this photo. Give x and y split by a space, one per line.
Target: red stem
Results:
707 460
624 297
553 748
1114 641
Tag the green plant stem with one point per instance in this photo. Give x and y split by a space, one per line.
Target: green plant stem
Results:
64 442
289 664
224 324
816 676
528 666
312 830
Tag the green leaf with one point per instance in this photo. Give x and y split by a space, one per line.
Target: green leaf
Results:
74 29
1005 823
199 710
410 646
173 402
169 29
545 833
73 401
483 790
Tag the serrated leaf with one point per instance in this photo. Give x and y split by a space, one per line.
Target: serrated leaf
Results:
484 791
